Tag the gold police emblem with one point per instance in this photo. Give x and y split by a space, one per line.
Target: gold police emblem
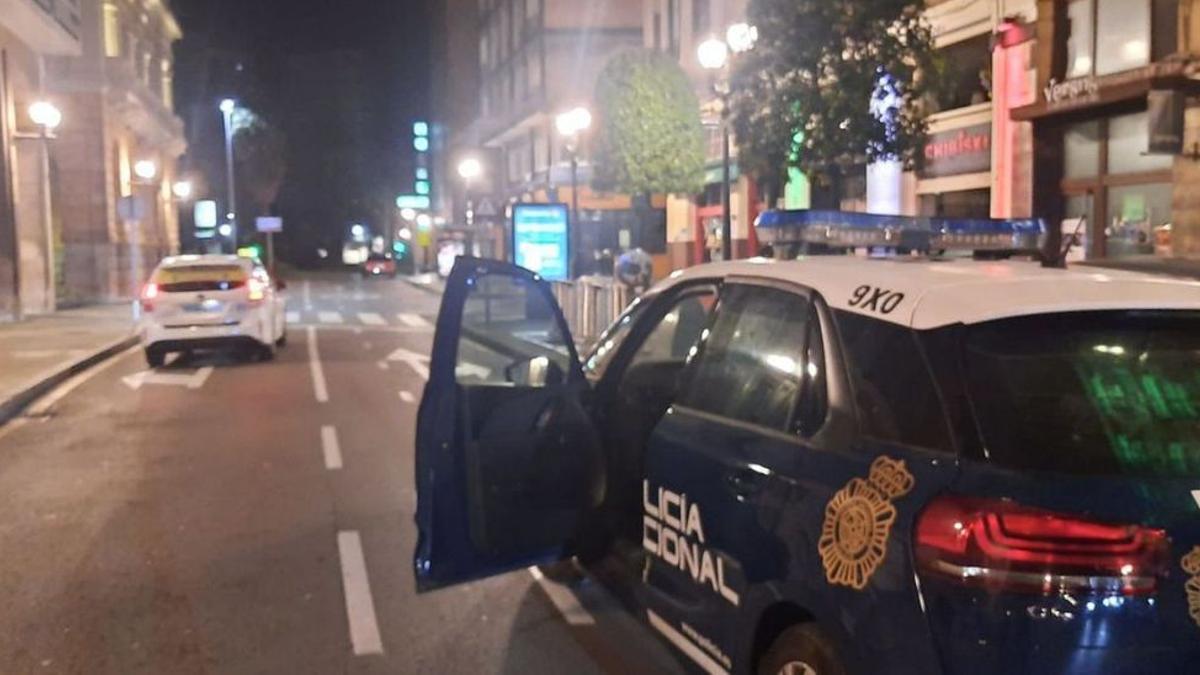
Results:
1191 565
858 520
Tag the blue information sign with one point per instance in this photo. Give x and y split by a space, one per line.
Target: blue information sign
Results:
541 239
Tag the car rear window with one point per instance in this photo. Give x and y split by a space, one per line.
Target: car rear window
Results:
200 278
1089 393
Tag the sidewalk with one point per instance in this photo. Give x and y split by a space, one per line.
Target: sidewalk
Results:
43 351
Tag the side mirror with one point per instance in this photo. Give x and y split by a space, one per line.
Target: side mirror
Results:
536 371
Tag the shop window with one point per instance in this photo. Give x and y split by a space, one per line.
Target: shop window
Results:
1081 150
1139 219
1166 28
967 74
1111 36
1128 141
1080 40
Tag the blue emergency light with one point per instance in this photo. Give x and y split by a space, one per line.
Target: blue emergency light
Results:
844 230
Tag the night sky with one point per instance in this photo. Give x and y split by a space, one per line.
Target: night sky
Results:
342 79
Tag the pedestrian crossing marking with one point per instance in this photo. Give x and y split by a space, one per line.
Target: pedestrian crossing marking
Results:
372 319
330 317
413 320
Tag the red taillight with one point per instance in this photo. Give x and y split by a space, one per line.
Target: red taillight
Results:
1003 546
149 293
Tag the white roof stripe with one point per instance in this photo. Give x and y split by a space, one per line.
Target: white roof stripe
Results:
924 293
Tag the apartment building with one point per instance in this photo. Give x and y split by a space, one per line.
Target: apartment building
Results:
31 32
117 149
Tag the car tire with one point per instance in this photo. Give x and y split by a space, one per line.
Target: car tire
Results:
155 358
266 353
801 650
282 341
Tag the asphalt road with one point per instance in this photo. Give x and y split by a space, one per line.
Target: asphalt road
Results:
227 517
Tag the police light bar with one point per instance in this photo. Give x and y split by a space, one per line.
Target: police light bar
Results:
840 229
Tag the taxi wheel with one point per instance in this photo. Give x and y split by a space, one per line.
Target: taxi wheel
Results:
282 341
266 353
801 650
155 358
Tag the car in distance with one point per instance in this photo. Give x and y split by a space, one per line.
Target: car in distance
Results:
379 265
211 302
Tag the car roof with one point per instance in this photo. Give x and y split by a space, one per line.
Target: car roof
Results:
204 260
943 292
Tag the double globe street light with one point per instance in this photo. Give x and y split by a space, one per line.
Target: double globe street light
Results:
571 125
713 55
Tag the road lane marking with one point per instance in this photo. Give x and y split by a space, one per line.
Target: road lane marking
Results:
414 321
331 448
408 397
194 380
565 600
330 317
702 659
371 319
314 366
418 362
383 365
360 607
43 404
307 295
293 317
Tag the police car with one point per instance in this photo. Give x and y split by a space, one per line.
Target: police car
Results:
837 464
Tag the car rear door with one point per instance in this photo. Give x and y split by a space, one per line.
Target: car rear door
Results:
508 463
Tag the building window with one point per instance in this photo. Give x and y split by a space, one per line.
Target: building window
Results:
1111 36
967 80
112 30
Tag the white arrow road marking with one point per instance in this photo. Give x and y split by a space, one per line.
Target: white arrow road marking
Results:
468 369
360 606
418 362
371 319
293 317
190 380
1196 496
414 321
383 365
330 317
407 397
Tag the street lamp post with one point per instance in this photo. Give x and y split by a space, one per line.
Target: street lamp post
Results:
713 55
570 125
227 107
146 171
47 117
469 170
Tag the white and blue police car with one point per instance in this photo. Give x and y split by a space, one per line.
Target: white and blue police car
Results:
839 465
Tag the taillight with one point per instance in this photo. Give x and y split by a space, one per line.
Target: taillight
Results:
258 289
1003 546
149 293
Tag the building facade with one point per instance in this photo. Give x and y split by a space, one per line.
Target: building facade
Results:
116 152
538 58
31 33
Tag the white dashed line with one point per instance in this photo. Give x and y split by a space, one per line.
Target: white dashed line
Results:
371 319
330 317
360 607
413 320
307 295
314 366
329 445
566 602
407 397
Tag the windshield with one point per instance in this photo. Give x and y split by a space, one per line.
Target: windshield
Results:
1097 393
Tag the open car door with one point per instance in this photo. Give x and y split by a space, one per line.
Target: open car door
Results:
508 463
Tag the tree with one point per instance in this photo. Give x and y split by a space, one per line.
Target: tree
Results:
650 137
830 84
260 152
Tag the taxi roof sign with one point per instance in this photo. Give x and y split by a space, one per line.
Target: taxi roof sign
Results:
841 229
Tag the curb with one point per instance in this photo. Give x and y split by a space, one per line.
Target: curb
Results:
15 404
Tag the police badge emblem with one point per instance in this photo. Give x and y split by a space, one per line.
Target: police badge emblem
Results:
858 520
1191 565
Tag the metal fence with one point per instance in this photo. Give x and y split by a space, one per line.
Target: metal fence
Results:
591 304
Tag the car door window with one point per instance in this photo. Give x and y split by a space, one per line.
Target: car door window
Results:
679 329
753 366
510 335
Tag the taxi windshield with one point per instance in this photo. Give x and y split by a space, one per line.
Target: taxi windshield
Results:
1114 393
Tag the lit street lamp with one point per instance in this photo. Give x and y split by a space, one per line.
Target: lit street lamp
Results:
570 125
713 55
227 107
146 169
47 117
182 189
470 169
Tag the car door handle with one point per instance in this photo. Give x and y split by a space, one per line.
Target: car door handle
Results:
744 482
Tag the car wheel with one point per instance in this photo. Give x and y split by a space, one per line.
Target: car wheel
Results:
155 358
282 341
266 353
801 650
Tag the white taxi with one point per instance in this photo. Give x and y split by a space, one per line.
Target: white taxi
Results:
211 302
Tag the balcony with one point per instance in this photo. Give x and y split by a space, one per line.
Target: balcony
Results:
49 27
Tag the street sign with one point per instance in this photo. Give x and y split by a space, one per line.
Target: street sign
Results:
486 208
418 202
204 214
266 224
541 239
131 208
